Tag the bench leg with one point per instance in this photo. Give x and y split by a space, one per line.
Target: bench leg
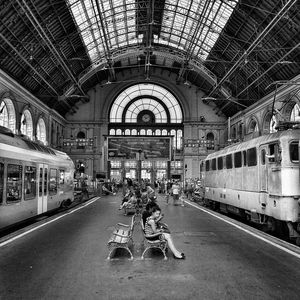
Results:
162 250
111 249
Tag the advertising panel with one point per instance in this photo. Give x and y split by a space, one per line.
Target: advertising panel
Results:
139 148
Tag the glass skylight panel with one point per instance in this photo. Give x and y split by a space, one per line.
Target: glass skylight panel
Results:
184 17
119 24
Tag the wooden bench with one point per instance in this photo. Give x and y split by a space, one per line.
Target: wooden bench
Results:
160 243
121 238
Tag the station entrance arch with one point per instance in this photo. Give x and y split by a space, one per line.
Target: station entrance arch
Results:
145 134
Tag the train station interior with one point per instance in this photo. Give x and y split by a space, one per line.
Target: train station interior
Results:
203 73
150 90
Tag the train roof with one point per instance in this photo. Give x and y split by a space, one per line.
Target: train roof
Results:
7 137
265 139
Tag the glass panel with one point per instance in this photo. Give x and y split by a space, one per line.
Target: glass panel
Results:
295 114
41 182
220 163
26 124
30 182
53 182
228 161
294 151
1 182
14 183
115 164
237 159
251 157
45 181
146 103
207 165
61 177
214 164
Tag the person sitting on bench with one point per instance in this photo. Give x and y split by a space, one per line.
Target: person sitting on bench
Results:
152 232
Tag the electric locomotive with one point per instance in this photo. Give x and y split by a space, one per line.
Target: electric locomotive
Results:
258 180
34 179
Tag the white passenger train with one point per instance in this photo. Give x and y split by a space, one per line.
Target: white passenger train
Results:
259 180
34 179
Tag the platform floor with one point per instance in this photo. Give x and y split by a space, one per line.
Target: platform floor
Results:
66 259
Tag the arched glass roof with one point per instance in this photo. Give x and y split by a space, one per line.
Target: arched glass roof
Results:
145 96
191 26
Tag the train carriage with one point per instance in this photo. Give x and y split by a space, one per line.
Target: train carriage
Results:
258 179
34 179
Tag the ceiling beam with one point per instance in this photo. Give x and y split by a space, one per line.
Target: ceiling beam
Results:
255 43
27 63
33 20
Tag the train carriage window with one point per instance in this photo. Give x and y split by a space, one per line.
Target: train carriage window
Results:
207 165
61 177
238 159
244 158
53 182
214 164
45 181
1 182
294 151
251 157
263 156
30 182
220 163
228 161
274 154
41 182
14 183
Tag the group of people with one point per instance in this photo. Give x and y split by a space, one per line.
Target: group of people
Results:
143 195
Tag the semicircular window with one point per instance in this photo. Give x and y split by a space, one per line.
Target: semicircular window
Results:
146 97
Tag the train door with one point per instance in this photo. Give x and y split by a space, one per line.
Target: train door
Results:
263 174
43 188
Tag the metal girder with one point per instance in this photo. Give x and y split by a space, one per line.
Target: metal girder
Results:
33 20
256 42
27 63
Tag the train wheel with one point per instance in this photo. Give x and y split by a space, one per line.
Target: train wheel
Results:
298 241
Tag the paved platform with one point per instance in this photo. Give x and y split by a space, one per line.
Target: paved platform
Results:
66 259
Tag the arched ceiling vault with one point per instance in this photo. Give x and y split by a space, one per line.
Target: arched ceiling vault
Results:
232 50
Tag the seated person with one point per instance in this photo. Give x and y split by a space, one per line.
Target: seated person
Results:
152 232
131 201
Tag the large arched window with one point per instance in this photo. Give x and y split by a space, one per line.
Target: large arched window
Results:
253 126
7 114
146 97
41 131
295 114
26 124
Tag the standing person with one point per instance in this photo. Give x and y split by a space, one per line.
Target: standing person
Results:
176 192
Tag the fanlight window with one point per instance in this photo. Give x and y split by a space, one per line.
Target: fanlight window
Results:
8 114
26 124
144 96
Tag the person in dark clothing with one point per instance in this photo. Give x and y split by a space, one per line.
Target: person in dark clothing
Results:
148 211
